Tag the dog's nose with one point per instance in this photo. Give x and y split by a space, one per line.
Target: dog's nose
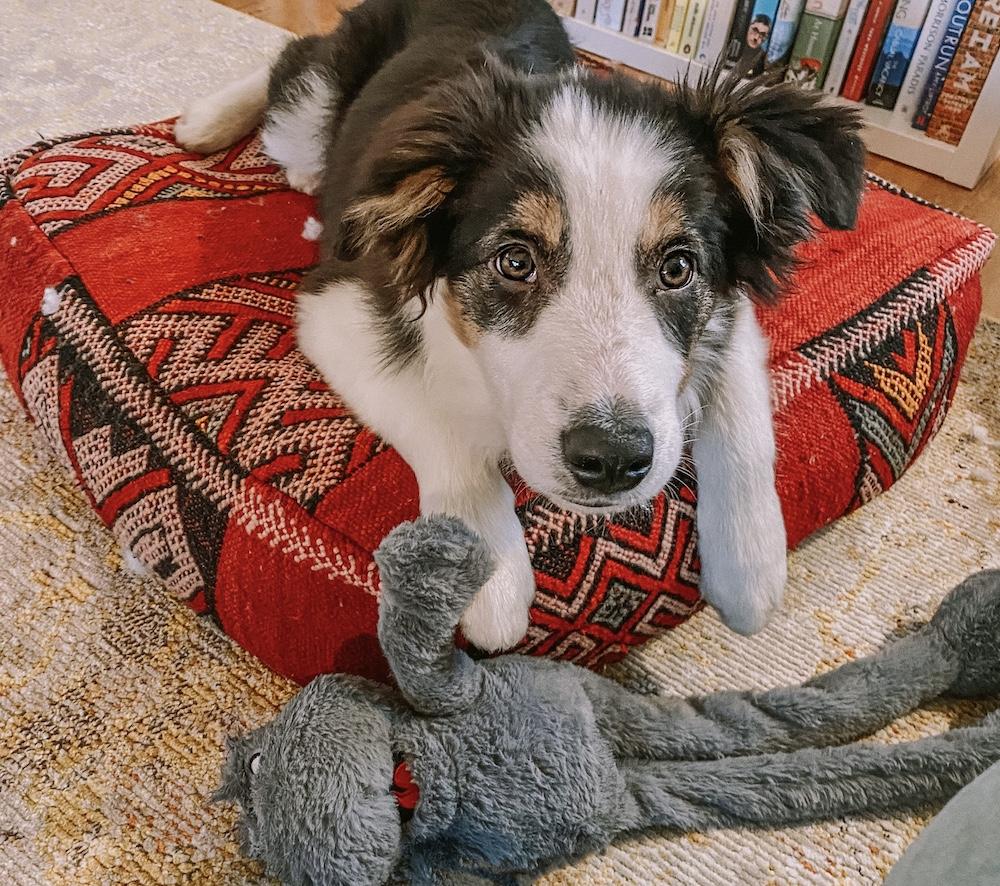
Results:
608 459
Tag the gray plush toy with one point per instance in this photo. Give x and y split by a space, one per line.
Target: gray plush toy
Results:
522 763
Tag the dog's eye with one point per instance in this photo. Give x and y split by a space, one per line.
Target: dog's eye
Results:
677 270
515 263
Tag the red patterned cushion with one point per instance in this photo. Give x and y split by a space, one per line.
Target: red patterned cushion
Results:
147 324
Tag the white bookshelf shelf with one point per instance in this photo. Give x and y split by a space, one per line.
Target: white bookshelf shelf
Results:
962 164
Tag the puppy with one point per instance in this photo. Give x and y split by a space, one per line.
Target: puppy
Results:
524 260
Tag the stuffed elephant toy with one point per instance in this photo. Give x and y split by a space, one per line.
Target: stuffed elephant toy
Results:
507 766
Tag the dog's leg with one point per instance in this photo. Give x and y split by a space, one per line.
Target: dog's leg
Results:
431 418
216 121
741 531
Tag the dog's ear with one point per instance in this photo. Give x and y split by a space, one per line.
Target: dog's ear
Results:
419 156
784 153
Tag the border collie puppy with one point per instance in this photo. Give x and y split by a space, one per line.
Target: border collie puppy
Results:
524 260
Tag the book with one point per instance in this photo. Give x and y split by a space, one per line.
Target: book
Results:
951 36
715 30
610 14
648 20
563 7
738 29
923 57
896 52
691 30
973 60
752 53
633 15
845 46
859 71
670 37
816 41
585 10
786 26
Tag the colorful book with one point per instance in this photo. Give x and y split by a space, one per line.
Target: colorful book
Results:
648 20
951 36
738 29
585 10
873 28
752 54
610 14
896 52
633 15
786 26
968 73
670 37
849 30
563 7
923 58
691 32
816 41
715 30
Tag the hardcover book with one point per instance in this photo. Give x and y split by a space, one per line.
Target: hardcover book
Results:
873 28
751 55
968 73
947 46
816 40
715 30
896 53
786 26
846 42
923 57
738 29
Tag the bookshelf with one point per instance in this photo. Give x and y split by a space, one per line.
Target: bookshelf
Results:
962 164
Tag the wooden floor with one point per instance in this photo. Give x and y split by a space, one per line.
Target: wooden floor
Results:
982 204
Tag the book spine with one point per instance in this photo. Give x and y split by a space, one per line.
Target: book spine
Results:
672 41
923 57
968 73
813 50
585 10
845 46
896 52
951 36
715 30
647 22
692 28
859 71
738 29
786 26
563 7
610 14
633 15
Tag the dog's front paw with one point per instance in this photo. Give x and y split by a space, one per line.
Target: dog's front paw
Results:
498 615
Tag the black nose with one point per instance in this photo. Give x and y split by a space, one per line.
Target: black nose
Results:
608 459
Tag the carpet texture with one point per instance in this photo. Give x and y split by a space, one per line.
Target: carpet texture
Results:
114 700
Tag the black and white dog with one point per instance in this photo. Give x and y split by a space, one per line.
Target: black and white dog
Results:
523 260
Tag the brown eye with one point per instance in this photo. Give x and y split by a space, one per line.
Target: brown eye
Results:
677 270
515 263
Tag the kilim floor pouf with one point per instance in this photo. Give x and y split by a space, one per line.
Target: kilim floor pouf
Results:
147 309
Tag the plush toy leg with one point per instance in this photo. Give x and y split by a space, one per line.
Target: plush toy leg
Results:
430 570
958 651
807 785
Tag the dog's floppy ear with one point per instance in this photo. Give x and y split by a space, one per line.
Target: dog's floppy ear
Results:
784 153
418 158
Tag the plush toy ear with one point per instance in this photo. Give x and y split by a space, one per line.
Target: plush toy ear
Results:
785 153
418 158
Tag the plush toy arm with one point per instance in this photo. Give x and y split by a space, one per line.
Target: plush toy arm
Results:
807 785
430 570
958 651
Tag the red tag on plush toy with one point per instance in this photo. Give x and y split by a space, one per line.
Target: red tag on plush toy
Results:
404 789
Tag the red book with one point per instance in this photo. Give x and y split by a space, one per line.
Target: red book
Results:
866 51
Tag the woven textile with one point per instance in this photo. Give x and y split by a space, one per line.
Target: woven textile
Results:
149 329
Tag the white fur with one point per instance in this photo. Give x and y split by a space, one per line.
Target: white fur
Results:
741 531
294 134
51 300
216 121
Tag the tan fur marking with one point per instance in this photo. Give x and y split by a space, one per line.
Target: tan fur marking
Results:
541 214
740 166
468 333
664 221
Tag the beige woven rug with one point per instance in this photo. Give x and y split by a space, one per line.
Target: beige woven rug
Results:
114 700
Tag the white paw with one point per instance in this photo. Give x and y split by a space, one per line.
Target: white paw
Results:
497 617
205 127
301 180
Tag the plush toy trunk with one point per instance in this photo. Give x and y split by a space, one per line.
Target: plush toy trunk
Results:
148 328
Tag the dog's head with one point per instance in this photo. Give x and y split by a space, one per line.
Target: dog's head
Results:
590 237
